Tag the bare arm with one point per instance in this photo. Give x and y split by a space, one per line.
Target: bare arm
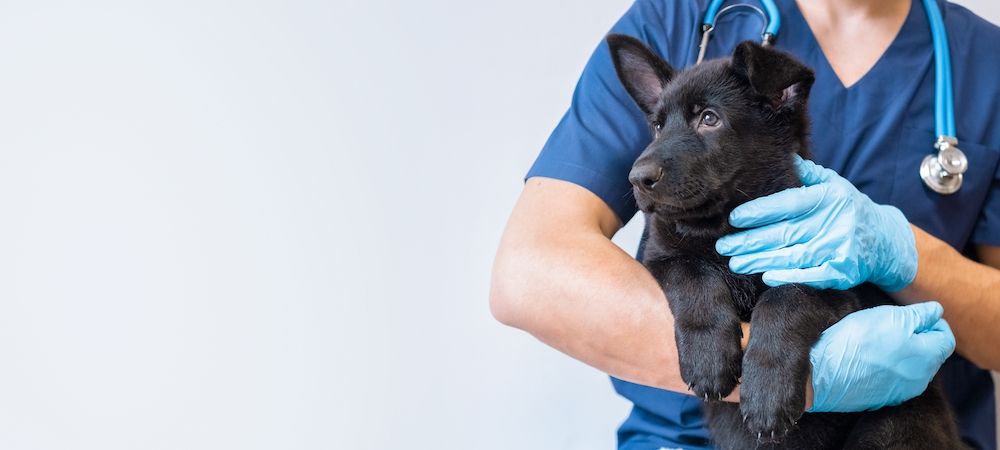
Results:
558 276
969 292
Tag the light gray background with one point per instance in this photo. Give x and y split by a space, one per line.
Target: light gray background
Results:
269 224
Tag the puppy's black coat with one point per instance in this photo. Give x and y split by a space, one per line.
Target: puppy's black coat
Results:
724 133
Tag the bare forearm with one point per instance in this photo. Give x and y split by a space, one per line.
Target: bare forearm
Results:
558 276
585 297
969 292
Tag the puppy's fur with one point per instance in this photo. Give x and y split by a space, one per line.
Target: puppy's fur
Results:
724 133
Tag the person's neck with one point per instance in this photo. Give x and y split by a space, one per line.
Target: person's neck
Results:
841 25
853 10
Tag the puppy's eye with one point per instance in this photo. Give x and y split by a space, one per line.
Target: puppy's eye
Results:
709 118
657 126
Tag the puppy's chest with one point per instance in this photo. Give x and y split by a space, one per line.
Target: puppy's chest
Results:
700 253
745 290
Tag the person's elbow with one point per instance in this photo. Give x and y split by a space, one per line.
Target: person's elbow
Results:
550 224
507 289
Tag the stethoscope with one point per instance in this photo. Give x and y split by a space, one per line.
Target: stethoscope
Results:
942 172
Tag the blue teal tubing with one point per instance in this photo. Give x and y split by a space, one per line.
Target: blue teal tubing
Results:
944 103
711 11
773 16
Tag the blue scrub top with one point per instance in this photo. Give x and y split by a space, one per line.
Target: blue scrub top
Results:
875 133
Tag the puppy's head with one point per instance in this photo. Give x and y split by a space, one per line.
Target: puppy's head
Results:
723 130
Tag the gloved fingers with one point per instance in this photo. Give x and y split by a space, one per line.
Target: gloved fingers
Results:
824 276
798 256
768 237
921 317
787 204
941 326
811 173
938 341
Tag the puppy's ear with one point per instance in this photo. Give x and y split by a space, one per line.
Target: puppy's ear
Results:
773 74
641 72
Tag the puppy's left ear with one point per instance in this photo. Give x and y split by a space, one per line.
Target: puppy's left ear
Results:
773 74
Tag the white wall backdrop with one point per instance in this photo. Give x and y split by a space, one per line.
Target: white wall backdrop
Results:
269 224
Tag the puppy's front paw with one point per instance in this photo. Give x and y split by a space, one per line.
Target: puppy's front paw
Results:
771 396
710 363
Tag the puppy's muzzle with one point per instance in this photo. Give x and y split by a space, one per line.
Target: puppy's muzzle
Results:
646 176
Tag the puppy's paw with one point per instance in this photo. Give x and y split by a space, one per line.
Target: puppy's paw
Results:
768 414
710 366
771 397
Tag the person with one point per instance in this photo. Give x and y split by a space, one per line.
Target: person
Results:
866 218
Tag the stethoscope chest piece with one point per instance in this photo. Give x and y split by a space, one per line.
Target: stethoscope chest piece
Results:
943 172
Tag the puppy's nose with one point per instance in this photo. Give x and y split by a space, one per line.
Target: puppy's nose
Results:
645 176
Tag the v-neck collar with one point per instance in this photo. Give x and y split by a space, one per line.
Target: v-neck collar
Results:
903 39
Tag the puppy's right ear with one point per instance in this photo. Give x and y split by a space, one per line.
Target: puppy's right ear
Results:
774 74
643 74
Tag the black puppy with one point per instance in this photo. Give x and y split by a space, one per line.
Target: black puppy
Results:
724 133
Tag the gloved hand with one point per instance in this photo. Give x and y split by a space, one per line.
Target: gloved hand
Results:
825 234
879 357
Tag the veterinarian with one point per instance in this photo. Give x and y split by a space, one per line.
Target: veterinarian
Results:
868 217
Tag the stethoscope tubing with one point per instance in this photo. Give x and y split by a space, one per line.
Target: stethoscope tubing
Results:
773 17
944 108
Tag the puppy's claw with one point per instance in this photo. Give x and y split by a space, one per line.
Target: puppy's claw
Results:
706 396
745 418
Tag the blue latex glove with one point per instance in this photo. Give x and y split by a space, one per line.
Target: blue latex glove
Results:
826 234
879 357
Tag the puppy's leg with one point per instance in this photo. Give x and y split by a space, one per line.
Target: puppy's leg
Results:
785 323
706 324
